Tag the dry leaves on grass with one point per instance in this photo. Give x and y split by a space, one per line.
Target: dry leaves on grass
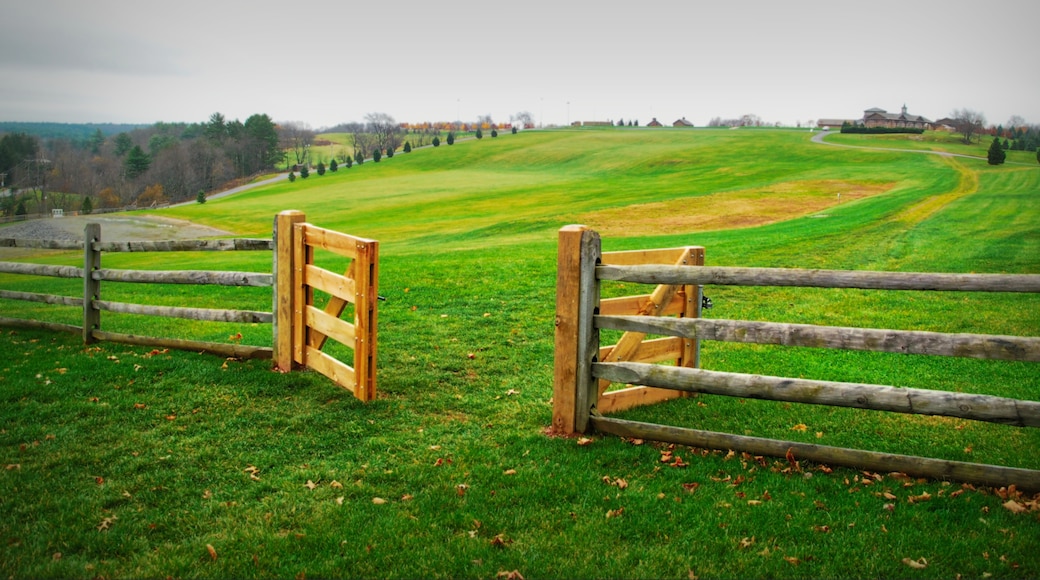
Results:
918 564
212 552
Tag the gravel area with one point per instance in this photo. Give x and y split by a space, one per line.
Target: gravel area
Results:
113 229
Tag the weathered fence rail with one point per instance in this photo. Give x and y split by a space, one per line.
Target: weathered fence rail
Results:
93 305
581 369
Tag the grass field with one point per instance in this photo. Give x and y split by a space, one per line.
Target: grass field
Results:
124 462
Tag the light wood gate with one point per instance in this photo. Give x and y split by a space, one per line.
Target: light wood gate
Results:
302 327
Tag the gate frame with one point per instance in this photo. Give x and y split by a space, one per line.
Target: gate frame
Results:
301 329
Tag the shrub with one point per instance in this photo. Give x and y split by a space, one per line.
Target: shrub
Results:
436 141
451 138
389 152
480 134
304 171
494 133
88 205
407 147
201 197
996 154
333 166
349 161
292 177
514 130
862 130
321 168
376 155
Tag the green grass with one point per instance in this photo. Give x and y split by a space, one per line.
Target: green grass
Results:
456 445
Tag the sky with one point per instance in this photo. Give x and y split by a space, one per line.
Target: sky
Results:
322 62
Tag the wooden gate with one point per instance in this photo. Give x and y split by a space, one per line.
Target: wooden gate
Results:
302 327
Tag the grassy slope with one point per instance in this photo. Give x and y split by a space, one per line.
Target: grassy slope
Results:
473 233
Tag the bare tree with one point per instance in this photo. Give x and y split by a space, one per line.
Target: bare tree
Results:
297 137
386 130
523 118
968 123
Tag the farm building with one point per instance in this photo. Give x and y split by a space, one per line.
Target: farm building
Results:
654 123
682 123
876 117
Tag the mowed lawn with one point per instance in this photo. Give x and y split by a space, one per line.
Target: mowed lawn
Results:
128 462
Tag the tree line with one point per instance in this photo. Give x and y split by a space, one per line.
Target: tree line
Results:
152 164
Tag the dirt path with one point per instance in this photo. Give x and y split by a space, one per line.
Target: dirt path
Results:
113 228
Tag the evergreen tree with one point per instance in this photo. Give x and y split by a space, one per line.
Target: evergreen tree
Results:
304 171
480 134
1005 145
376 155
349 161
87 207
514 130
494 133
321 168
201 197
137 162
292 177
451 137
996 154
407 147
436 141
389 152
21 208
333 166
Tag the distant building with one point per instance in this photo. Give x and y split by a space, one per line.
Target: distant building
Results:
835 122
880 118
682 123
654 123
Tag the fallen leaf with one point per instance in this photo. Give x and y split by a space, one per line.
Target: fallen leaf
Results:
918 564
378 501
339 500
336 485
822 529
509 472
500 541
56 556
799 427
407 497
512 575
584 441
212 551
1014 507
691 487
792 560
310 485
615 513
746 542
916 498
207 494
511 392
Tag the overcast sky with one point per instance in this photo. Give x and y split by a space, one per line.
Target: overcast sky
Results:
322 62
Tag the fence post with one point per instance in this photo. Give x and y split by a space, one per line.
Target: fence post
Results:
91 287
366 278
576 339
282 303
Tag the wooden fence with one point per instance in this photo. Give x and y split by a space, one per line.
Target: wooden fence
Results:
299 329
580 366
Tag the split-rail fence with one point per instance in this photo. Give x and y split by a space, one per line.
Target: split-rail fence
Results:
299 329
582 367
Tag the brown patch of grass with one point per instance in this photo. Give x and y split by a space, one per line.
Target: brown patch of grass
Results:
728 210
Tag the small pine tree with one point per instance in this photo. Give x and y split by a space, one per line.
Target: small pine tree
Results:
1005 144
321 168
292 177
304 171
494 133
996 154
451 138
377 155
407 147
88 205
514 130
480 134
201 197
436 141
389 152
333 166
349 161
20 210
